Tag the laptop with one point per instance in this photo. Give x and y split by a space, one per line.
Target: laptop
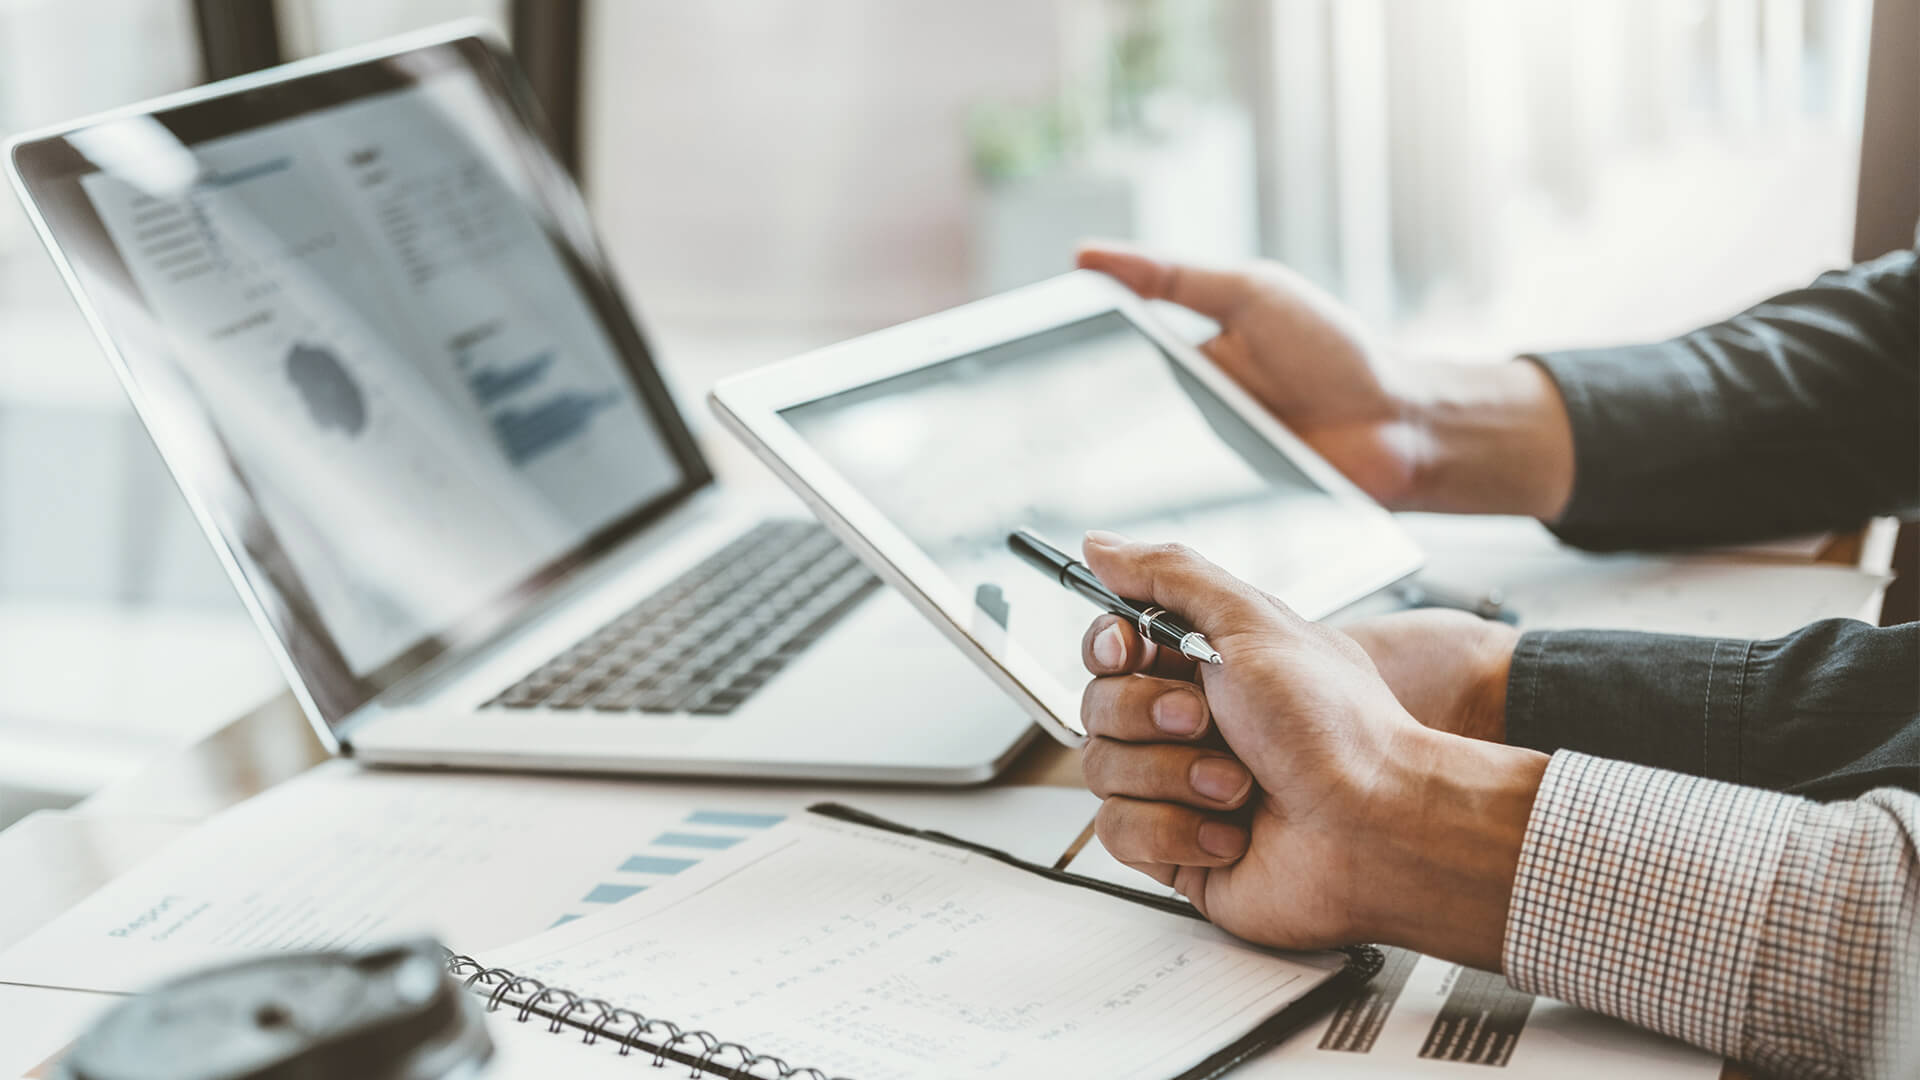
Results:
362 312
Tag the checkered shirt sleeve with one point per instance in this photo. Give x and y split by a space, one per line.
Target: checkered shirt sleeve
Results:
1768 928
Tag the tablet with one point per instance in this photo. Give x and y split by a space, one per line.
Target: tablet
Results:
1062 407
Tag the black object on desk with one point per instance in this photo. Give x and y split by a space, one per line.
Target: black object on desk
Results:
1153 622
384 1014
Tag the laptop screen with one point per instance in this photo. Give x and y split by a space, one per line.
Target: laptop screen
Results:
403 356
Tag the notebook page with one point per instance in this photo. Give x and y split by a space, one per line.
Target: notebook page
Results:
881 957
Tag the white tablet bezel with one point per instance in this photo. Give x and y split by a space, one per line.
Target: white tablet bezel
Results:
750 406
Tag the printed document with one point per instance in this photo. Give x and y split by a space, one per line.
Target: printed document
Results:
343 857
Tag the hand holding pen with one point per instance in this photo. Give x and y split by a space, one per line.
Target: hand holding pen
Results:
1153 623
1148 716
1176 706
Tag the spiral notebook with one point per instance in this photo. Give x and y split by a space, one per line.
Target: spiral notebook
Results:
841 945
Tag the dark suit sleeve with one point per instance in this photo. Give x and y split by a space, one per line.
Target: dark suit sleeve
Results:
1799 415
1830 711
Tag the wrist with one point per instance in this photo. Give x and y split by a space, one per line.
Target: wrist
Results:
1488 438
1435 866
1485 707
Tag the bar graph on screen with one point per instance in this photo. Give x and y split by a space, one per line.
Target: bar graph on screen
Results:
527 433
491 386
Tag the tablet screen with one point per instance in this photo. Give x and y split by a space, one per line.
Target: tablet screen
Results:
1086 426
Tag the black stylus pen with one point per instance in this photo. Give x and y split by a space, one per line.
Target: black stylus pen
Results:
1153 623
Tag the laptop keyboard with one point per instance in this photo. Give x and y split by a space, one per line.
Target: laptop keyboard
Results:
705 642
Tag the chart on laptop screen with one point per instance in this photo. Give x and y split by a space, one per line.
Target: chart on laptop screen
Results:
411 384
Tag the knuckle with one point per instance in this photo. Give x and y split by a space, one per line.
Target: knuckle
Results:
1131 700
1111 825
1168 554
1171 836
1096 766
1096 706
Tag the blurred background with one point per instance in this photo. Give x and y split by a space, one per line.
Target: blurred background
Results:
1476 177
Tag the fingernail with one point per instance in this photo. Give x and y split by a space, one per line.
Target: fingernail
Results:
1108 648
1219 779
1102 538
1178 712
1221 840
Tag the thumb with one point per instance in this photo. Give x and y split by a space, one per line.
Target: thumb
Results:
1217 294
1172 576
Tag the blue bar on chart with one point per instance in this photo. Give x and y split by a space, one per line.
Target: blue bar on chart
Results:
491 386
680 847
612 894
696 840
526 433
655 864
735 819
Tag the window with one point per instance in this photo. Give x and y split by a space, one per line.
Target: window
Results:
1477 175
310 27
118 633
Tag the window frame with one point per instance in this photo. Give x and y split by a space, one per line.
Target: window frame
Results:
241 36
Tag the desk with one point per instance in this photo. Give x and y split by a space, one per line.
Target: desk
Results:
60 858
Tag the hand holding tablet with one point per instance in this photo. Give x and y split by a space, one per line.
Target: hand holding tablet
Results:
925 445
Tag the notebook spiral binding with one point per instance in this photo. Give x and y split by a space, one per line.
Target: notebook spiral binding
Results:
703 1051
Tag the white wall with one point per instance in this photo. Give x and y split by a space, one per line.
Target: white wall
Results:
797 162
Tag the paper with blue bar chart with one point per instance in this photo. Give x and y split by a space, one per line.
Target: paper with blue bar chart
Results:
679 845
344 856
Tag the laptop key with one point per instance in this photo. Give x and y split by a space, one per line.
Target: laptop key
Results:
710 638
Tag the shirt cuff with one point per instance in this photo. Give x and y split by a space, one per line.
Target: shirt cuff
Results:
1640 417
1637 895
1664 700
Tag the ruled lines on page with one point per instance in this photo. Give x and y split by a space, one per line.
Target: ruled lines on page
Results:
883 957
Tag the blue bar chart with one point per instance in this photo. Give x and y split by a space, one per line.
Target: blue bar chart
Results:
491 385
675 849
527 433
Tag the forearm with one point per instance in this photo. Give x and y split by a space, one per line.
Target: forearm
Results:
1756 925
1488 439
1796 415
1439 859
